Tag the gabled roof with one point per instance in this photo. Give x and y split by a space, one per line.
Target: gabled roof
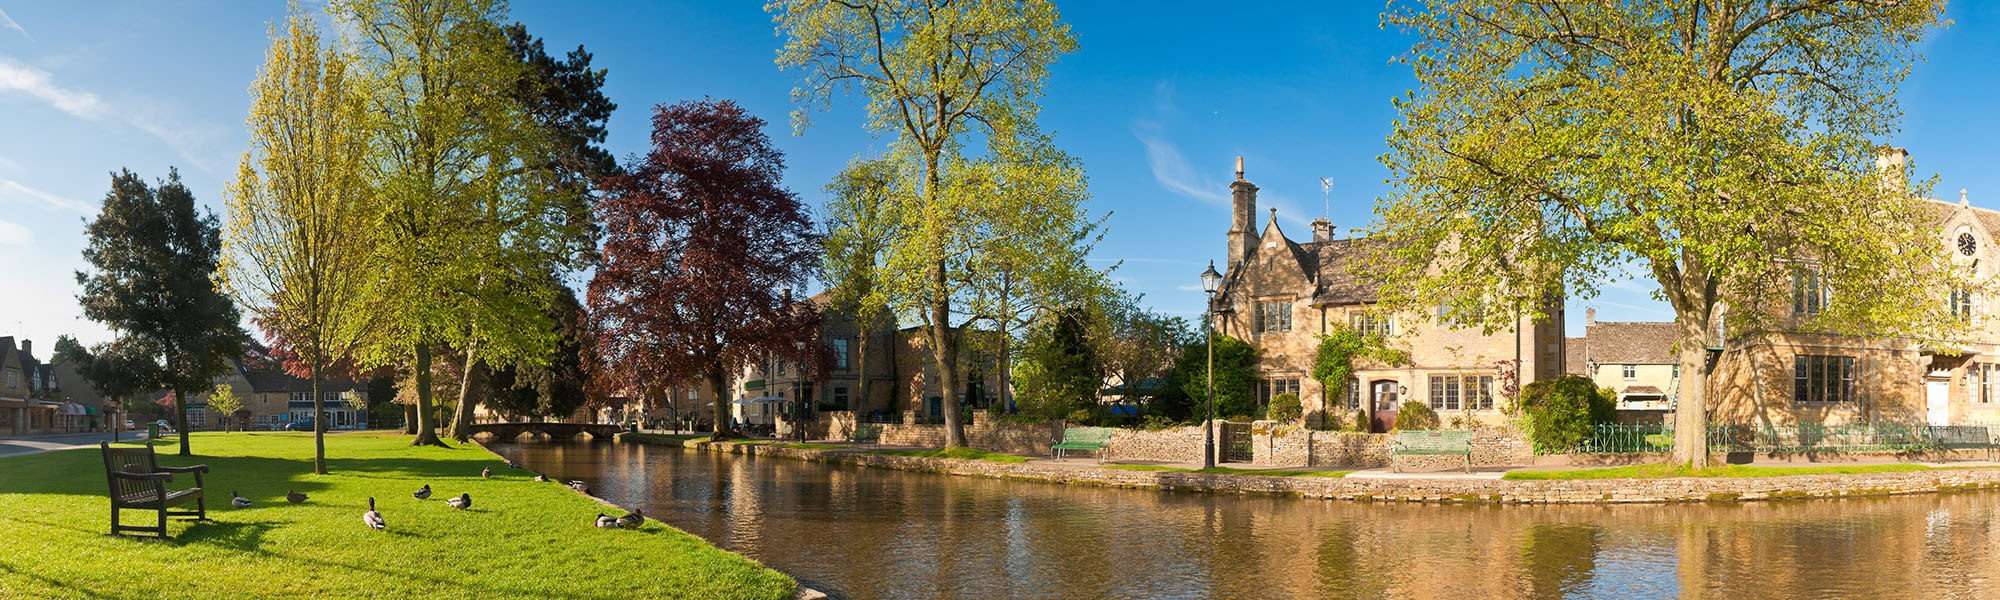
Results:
1630 342
1338 264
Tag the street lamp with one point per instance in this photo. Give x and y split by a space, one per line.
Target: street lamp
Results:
799 390
1210 282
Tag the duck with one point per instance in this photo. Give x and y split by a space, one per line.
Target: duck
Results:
607 521
294 497
513 465
486 472
423 493
541 477
372 518
632 520
462 502
578 485
238 500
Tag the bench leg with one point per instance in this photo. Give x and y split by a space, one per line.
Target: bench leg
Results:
162 534
114 518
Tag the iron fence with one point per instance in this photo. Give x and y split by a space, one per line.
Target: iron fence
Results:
1612 438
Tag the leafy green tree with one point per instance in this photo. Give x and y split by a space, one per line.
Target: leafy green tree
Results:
68 350
223 404
299 208
1235 381
466 218
858 234
1067 371
154 257
1284 408
1138 344
556 388
1562 412
1721 146
938 75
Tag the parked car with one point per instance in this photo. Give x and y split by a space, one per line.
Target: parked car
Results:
128 424
164 425
300 426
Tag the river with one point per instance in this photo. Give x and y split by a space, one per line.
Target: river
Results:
875 533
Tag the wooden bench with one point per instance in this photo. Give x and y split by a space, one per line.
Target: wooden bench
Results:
1427 443
1094 439
866 434
138 482
1962 437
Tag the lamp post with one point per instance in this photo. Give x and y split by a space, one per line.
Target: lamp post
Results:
1210 282
799 390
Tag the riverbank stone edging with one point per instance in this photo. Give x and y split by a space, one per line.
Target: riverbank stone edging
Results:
1412 489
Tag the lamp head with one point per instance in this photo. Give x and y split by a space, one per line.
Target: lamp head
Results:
1211 280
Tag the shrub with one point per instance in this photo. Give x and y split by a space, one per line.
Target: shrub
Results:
1415 416
1563 411
1361 423
1157 423
1318 420
1080 417
1284 408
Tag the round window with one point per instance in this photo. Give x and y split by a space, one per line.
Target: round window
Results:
1967 245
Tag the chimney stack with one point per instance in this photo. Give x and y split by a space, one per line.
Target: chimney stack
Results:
1322 230
1590 316
1890 164
27 348
1243 218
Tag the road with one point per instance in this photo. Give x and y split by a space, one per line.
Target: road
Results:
31 445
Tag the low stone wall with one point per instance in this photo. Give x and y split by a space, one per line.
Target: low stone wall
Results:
1419 489
992 435
1179 444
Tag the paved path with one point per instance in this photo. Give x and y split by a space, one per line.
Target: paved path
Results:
17 446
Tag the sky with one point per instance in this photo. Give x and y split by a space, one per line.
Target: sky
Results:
1158 101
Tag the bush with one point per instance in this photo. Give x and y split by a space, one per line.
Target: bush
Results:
1415 416
1080 417
1157 423
1562 412
1361 423
1284 408
1318 420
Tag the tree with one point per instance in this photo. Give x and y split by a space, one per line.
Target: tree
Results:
700 237
556 388
1067 369
223 403
68 350
1138 344
154 255
299 208
1720 145
1235 381
858 235
936 74
467 214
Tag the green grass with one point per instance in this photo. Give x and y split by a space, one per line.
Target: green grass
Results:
960 453
1234 471
520 539
1663 471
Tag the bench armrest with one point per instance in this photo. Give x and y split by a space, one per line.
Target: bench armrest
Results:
191 469
143 476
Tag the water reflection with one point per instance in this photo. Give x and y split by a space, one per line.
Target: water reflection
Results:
868 533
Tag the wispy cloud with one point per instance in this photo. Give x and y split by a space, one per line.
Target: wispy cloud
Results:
12 234
8 22
1188 288
1173 172
1164 261
41 85
11 189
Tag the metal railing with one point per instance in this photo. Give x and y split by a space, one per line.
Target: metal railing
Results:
1612 438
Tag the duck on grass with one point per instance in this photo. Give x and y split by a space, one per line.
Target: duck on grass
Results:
512 546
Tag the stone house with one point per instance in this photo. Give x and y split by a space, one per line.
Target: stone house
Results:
15 407
1635 360
1281 295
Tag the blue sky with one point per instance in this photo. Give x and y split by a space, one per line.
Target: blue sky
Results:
1158 101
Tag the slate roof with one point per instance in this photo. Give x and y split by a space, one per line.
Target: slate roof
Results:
1574 362
1642 390
1338 263
1630 342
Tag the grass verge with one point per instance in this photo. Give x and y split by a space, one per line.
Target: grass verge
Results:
520 539
1233 471
960 453
1665 471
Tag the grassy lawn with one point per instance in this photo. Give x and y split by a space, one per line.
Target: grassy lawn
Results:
1230 470
961 453
1661 471
520 539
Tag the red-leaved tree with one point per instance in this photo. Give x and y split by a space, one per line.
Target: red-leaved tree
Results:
699 242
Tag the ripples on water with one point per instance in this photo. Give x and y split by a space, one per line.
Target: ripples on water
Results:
872 533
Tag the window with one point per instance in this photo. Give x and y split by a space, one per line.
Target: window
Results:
1274 316
1469 392
781 368
1271 388
197 418
1630 371
303 397
1825 378
1447 315
1353 394
1371 323
1989 376
1808 297
13 379
1961 304
840 396
840 354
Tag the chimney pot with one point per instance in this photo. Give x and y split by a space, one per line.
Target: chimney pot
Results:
27 348
1322 230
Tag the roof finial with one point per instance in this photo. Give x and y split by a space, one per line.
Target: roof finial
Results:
1274 214
1961 196
1239 168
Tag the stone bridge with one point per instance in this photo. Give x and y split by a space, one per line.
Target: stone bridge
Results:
560 431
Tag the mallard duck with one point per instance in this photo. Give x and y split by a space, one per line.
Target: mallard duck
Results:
486 472
238 500
607 521
423 493
632 520
541 477
372 518
462 502
578 485
294 497
513 465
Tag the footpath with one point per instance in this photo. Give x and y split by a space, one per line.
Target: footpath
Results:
20 445
1379 485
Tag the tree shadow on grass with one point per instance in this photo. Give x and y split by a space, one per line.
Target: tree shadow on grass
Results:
68 588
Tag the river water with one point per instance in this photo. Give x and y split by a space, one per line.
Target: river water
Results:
876 533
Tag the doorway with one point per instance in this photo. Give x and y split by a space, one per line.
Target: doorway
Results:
1387 396
1937 401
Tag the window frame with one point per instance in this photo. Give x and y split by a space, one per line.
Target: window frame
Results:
840 348
1808 293
1826 379
1629 370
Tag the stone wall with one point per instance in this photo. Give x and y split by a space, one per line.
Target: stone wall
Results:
1176 445
992 435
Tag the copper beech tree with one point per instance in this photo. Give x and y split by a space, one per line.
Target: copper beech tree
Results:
700 242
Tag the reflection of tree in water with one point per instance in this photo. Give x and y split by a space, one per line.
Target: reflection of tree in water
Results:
1342 574
1559 558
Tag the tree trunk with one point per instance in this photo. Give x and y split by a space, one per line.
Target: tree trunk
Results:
181 413
319 425
410 419
461 423
858 403
426 414
1691 413
944 351
721 388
